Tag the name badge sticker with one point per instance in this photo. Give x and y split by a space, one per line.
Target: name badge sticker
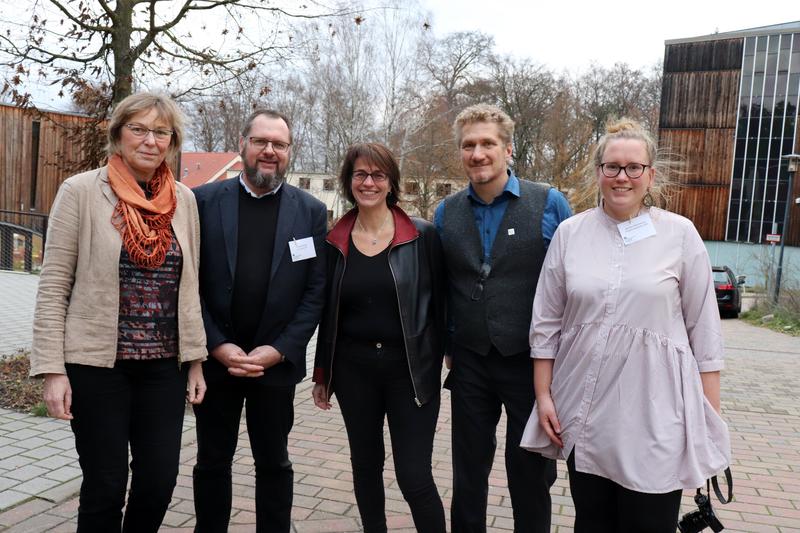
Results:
636 229
302 249
511 231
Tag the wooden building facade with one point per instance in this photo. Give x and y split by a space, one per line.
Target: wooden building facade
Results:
38 151
729 111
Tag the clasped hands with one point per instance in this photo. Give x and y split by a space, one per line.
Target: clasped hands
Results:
246 365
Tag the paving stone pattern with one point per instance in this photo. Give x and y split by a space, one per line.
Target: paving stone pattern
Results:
39 475
17 300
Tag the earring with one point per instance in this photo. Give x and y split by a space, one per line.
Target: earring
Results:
648 200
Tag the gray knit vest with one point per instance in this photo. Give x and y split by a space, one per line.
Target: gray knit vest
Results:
501 317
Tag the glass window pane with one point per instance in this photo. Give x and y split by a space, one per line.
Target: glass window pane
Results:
782 79
747 64
749 46
773 42
769 85
794 79
772 63
758 84
795 63
783 63
746 82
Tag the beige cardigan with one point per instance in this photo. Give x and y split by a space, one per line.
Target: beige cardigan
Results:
77 305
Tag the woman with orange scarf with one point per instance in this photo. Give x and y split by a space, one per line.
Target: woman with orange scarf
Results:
118 328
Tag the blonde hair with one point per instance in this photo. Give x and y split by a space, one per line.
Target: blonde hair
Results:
167 109
484 113
667 168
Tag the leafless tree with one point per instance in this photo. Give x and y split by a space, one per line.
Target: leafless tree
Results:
621 90
454 62
191 44
526 92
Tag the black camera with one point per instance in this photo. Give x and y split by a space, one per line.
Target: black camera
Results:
702 518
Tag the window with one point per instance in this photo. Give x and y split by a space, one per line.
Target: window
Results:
304 183
411 187
443 189
764 133
329 184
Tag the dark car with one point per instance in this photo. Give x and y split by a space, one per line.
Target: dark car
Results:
729 291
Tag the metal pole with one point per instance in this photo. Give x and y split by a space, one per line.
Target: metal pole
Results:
793 160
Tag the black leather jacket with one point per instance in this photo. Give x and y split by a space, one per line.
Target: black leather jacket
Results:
415 259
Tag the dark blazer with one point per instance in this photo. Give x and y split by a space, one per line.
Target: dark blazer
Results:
296 290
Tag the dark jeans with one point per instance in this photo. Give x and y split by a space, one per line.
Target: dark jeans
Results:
269 414
368 391
140 403
480 386
602 506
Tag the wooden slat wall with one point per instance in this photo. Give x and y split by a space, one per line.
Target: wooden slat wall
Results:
706 207
15 143
723 54
705 178
58 150
706 153
699 99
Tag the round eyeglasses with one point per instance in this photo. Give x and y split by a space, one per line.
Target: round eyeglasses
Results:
632 170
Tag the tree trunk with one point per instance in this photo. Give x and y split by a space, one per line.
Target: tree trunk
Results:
121 47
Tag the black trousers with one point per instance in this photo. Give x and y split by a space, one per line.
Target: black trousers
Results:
369 390
140 403
603 506
480 386
269 416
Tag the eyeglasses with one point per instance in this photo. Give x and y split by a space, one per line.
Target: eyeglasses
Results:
139 131
378 177
632 170
483 275
260 144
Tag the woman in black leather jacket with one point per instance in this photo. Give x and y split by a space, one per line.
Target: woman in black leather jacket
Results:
380 342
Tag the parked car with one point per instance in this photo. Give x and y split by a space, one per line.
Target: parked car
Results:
729 291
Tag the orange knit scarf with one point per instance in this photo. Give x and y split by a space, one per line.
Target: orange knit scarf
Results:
145 225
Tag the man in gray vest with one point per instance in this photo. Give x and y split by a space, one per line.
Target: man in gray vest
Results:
495 234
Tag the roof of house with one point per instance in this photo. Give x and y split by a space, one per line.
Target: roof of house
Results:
199 168
773 29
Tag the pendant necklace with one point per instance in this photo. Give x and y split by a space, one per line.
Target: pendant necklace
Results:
373 240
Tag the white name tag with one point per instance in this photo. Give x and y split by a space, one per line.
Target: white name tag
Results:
302 249
636 229
511 231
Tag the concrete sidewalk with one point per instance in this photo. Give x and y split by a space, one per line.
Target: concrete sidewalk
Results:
761 402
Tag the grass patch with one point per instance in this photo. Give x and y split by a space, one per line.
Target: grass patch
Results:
40 409
783 320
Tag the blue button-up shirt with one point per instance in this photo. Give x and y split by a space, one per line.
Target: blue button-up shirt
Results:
489 216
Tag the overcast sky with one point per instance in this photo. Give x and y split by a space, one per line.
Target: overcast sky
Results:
570 34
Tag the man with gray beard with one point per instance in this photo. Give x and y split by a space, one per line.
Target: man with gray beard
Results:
262 277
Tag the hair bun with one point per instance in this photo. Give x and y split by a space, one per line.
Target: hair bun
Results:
623 124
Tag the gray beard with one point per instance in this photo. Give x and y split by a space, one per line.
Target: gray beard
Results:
263 181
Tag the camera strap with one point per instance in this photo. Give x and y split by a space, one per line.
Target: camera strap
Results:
714 483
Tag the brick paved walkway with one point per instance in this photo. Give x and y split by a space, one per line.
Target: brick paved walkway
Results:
761 393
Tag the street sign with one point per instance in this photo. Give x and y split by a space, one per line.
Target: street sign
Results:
773 237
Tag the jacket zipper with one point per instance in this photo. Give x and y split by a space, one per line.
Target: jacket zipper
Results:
335 323
402 325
